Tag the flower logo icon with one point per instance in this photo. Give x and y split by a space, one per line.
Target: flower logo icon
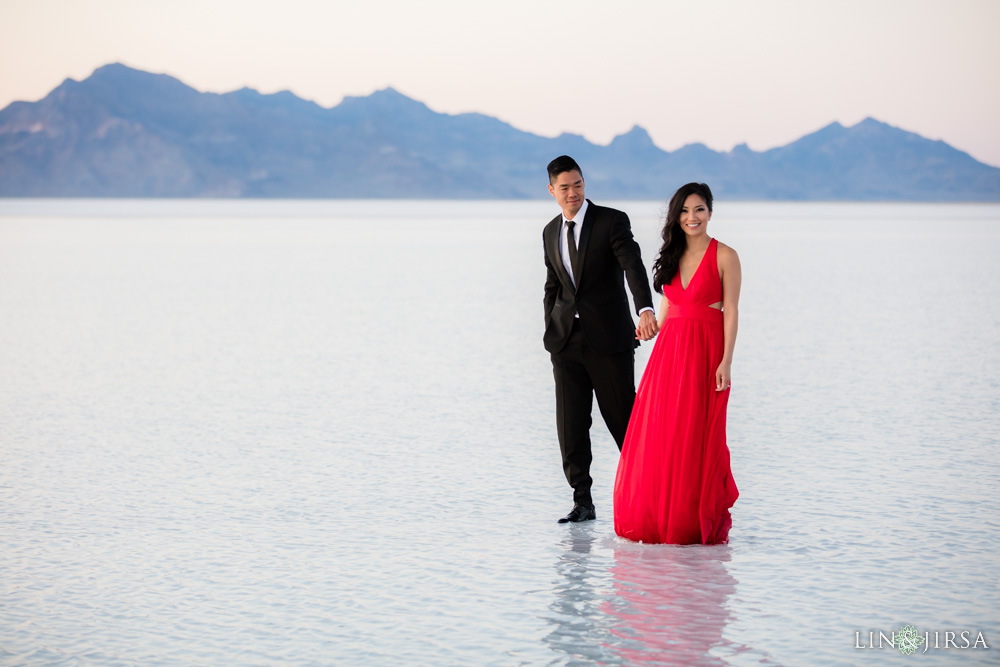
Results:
908 640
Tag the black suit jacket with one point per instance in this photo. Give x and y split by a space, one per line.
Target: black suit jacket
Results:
608 254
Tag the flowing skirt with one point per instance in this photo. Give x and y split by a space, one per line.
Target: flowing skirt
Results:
674 484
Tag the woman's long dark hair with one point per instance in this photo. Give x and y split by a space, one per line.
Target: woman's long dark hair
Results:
674 239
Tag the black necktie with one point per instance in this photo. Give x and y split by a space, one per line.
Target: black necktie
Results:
574 256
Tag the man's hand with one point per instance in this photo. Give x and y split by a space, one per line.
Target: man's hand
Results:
648 327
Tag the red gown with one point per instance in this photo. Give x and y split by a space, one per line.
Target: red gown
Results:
674 483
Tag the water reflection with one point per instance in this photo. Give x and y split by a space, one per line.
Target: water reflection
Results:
648 605
583 629
669 603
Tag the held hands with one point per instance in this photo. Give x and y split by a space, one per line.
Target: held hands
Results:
723 376
648 328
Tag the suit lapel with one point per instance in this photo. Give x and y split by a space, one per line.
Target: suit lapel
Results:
588 224
555 256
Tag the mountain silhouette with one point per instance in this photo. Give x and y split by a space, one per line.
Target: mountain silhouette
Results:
124 132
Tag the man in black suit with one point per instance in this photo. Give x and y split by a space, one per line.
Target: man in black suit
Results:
589 330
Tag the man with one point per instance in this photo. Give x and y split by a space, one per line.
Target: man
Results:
589 331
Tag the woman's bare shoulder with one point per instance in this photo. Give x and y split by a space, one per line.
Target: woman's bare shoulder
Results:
727 253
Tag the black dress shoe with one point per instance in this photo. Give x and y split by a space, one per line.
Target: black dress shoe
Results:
579 513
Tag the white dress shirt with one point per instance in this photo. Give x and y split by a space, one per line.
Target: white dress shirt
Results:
564 238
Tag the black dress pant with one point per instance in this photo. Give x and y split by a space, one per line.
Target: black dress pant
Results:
580 373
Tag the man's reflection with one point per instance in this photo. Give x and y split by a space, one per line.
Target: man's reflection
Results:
582 628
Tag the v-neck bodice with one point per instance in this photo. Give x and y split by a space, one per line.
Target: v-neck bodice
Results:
705 287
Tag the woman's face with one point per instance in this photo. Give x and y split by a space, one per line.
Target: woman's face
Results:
695 216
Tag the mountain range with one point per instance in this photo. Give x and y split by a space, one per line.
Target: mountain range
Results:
124 132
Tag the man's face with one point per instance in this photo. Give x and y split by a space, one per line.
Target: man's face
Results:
568 191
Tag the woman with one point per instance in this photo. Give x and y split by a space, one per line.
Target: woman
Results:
674 484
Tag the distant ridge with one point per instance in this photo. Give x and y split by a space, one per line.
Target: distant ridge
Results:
123 132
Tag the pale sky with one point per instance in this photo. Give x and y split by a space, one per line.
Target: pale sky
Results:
722 72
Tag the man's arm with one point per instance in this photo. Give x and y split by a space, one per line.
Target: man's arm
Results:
630 259
551 282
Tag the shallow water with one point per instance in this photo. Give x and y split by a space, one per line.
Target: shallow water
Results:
323 433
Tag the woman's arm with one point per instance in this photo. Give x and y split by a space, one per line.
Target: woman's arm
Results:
662 317
732 277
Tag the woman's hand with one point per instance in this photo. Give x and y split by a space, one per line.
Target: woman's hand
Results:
724 376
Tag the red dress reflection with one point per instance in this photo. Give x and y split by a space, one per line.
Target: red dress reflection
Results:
670 605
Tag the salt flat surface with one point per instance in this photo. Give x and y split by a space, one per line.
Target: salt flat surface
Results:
308 433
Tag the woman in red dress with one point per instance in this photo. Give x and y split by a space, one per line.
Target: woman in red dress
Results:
674 483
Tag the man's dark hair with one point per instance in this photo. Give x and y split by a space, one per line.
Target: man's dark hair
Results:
561 164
